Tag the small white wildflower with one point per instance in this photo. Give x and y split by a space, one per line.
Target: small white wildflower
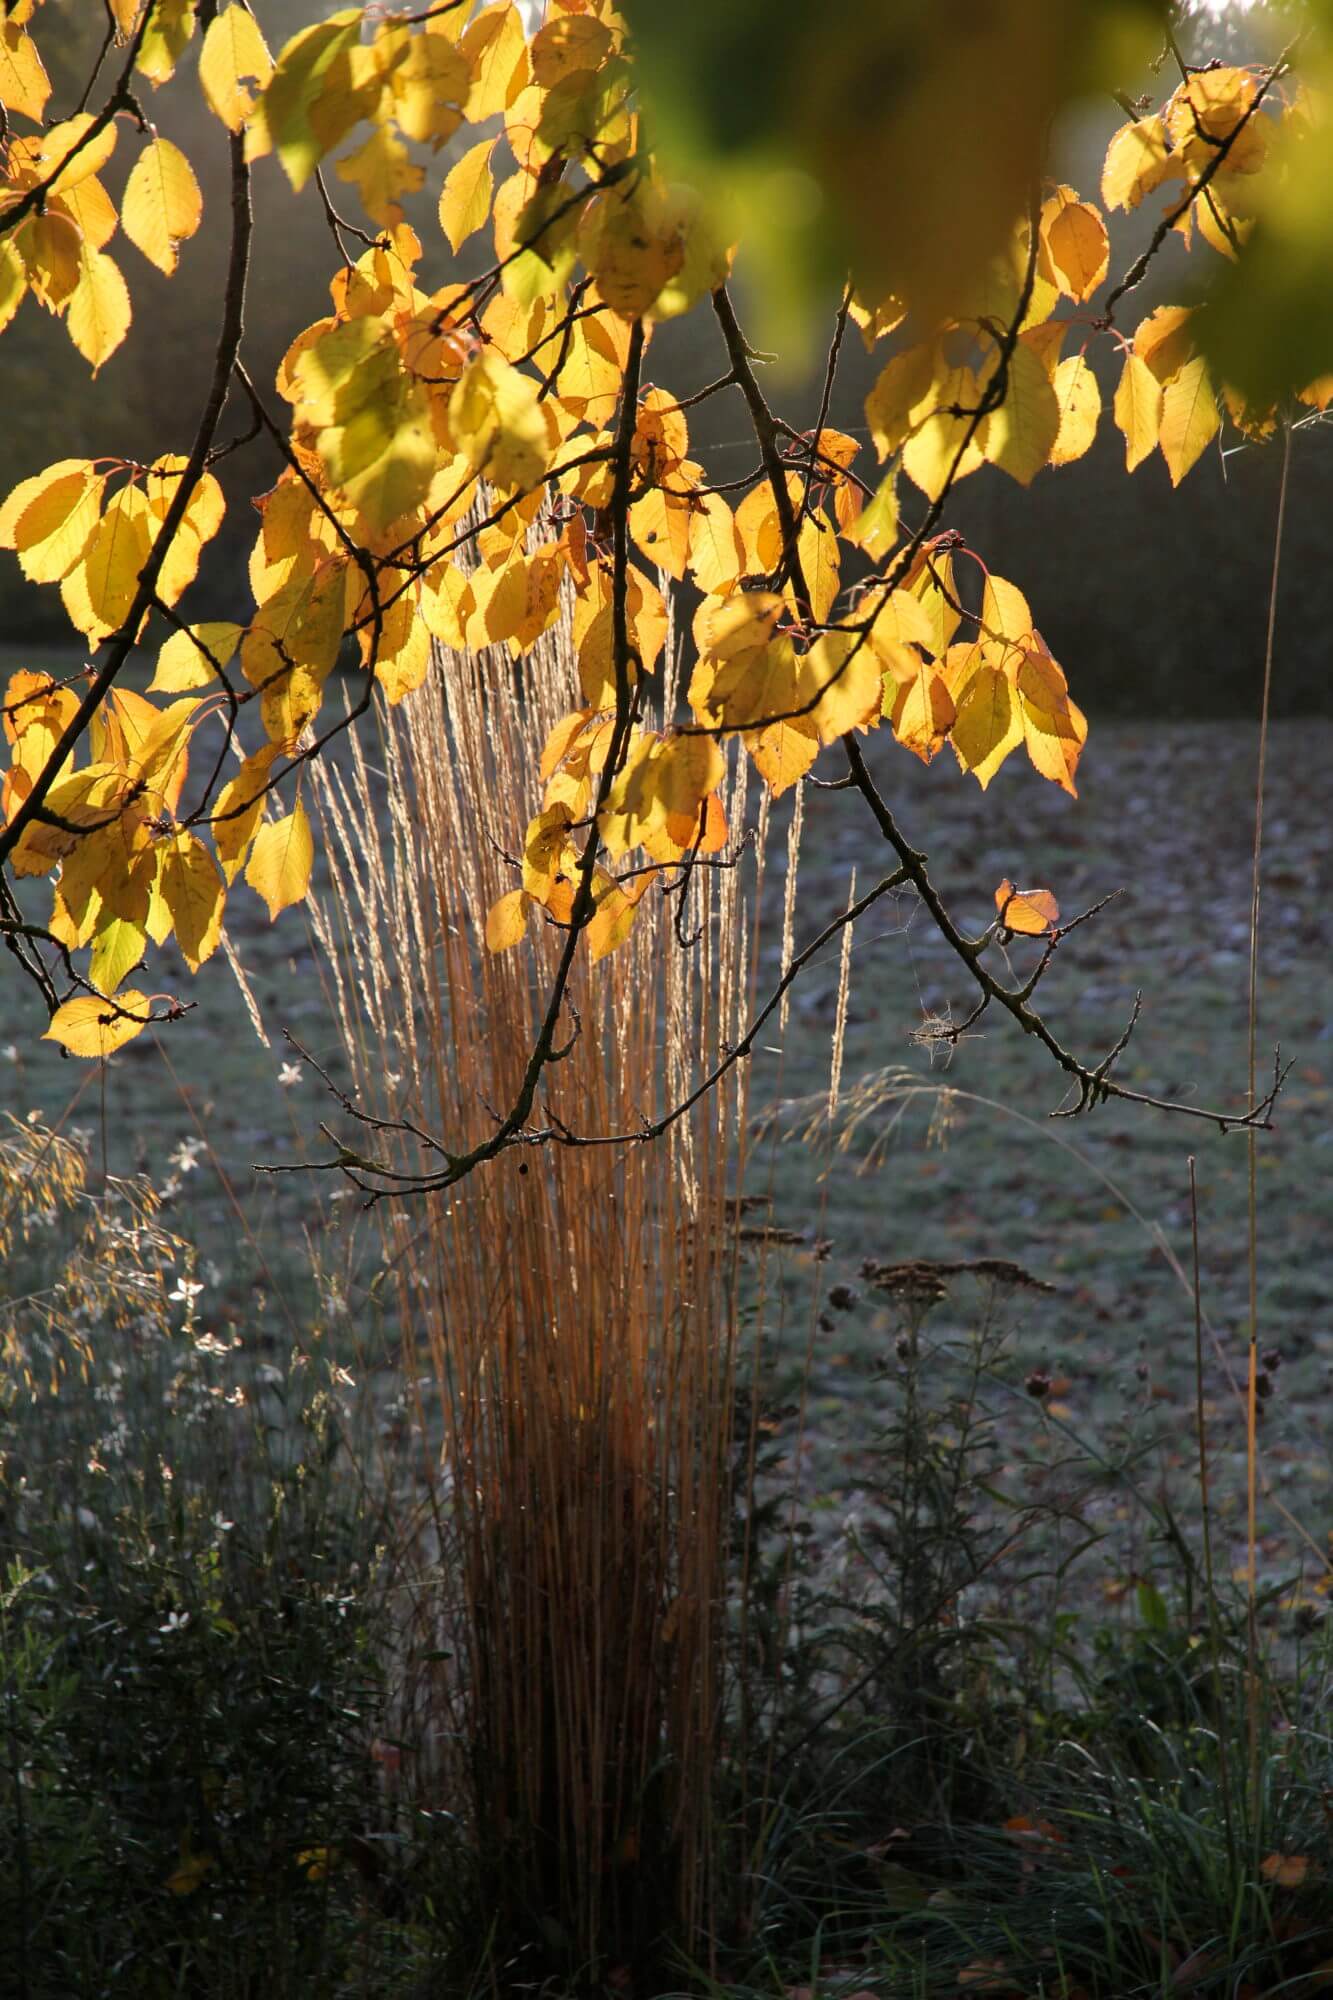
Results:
212 1273
186 1156
288 1075
9 1053
343 1376
187 1290
176 1622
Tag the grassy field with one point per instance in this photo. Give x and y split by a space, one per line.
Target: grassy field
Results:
960 1159
229 1564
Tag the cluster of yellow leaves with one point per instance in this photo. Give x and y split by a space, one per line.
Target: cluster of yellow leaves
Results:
57 251
916 658
127 870
416 415
68 527
929 411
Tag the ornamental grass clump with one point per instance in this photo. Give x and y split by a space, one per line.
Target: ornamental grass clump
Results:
571 1306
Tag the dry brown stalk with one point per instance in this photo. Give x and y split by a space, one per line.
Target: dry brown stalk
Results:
572 1306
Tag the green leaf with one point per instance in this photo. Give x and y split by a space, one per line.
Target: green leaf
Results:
312 100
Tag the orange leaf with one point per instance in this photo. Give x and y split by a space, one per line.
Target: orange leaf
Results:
1030 913
1288 1871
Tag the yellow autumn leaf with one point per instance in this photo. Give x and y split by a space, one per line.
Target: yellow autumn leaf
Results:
899 390
749 686
496 50
170 26
92 1026
90 208
1288 1871
117 947
49 518
1080 404
660 524
988 724
496 419
99 307
13 282
922 712
1028 912
300 625
239 807
24 84
630 242
817 548
281 860
316 93
206 505
685 771
371 416
1190 420
1076 240
194 892
100 590
1054 728
936 451
234 64
465 198
716 555
611 922
874 528
162 205
507 920
383 171
543 852
566 44
51 246
1005 612
1020 435
1137 161
848 670
64 142
404 654
1165 340
1138 409
783 752
430 85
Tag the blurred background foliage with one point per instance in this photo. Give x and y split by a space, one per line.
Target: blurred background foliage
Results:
1154 601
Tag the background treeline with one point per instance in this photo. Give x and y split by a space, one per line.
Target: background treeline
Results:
1153 602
